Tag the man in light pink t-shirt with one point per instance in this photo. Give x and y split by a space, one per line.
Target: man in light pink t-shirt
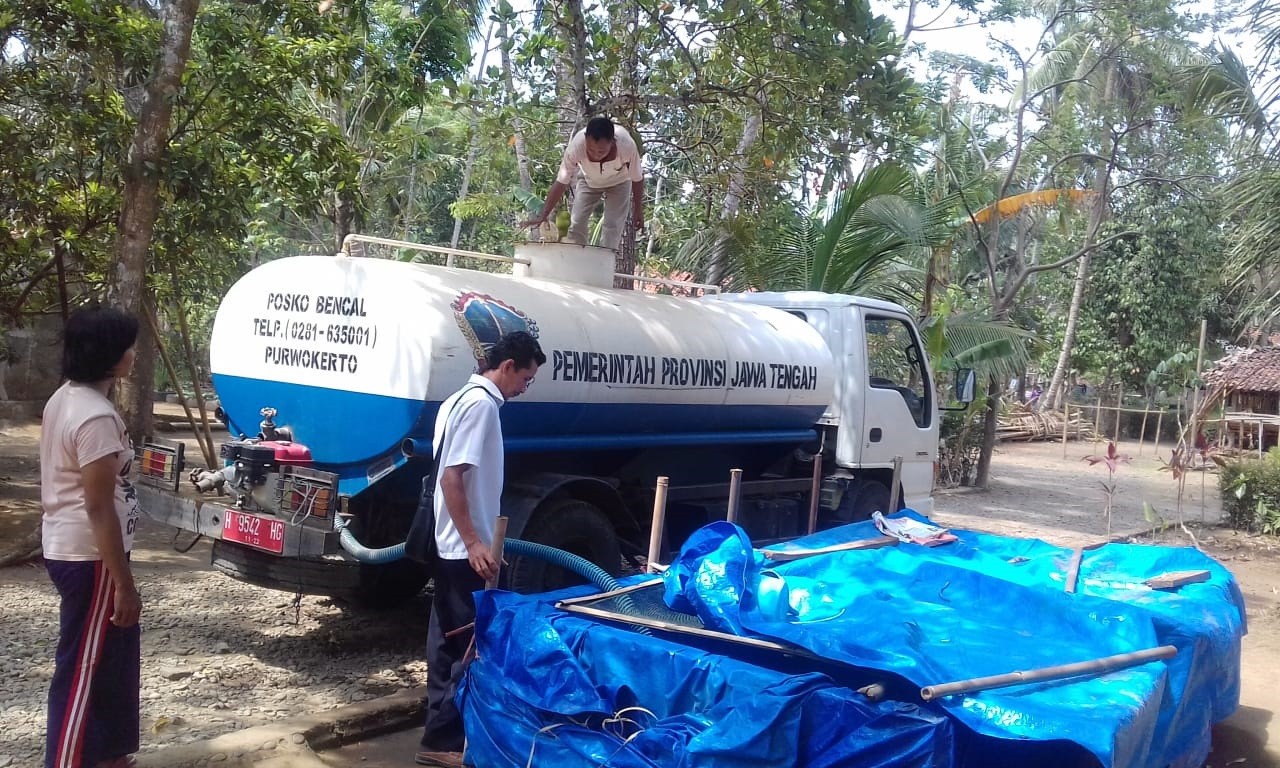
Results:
601 162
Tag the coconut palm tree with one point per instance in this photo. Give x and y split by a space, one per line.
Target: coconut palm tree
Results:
869 239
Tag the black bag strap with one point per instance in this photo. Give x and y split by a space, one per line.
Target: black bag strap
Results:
444 432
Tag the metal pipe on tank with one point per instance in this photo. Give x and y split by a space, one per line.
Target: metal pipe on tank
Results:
412 446
659 518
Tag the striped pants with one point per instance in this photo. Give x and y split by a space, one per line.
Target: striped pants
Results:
94 696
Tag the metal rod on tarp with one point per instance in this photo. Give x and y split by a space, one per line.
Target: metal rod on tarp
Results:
495 550
814 491
1057 672
893 489
659 519
735 491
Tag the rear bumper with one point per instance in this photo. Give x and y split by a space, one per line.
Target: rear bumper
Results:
205 516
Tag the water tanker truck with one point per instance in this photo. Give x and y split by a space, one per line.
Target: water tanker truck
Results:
330 370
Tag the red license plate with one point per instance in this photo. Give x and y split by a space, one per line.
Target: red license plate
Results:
261 532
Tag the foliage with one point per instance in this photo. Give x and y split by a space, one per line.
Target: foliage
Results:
865 242
1251 492
1149 293
1112 460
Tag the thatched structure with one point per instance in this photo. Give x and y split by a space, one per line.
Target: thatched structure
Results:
1247 381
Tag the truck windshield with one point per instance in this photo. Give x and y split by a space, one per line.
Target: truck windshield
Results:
894 361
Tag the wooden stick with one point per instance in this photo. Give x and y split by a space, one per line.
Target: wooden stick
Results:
787 555
893 489
1057 672
814 490
735 491
1175 579
659 519
1159 424
495 550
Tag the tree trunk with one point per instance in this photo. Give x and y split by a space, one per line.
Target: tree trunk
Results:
126 286
653 234
982 477
517 122
751 131
1097 214
625 20
1055 396
571 82
473 146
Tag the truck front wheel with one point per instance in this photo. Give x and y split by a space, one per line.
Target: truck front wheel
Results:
873 496
574 526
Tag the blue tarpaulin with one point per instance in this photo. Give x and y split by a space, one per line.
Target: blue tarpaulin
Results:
986 605
574 691
552 689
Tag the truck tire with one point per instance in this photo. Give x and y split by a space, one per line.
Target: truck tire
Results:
873 496
574 526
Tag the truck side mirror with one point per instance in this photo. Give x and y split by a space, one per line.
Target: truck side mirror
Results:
965 384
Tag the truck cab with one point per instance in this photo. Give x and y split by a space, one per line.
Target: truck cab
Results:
884 406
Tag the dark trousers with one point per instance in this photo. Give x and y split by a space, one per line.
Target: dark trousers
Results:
452 607
94 695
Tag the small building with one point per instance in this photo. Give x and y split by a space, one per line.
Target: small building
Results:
1247 381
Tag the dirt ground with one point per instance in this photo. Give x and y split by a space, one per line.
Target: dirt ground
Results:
1035 492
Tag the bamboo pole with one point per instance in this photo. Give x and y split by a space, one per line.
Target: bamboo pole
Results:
1066 422
659 519
184 333
735 492
1259 438
495 550
1097 423
206 449
1056 672
1142 435
897 481
1119 410
1159 424
814 489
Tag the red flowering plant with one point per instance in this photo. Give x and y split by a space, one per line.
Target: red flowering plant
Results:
1113 458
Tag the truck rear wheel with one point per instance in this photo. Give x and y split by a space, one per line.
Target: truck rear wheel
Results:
358 585
574 526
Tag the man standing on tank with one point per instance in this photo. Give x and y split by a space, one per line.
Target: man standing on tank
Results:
601 162
469 477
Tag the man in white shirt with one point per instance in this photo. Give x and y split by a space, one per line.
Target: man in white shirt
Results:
469 477
601 162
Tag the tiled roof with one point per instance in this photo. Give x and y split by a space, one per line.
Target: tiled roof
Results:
1247 370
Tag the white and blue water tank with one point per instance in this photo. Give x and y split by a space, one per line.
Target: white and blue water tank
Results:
356 354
